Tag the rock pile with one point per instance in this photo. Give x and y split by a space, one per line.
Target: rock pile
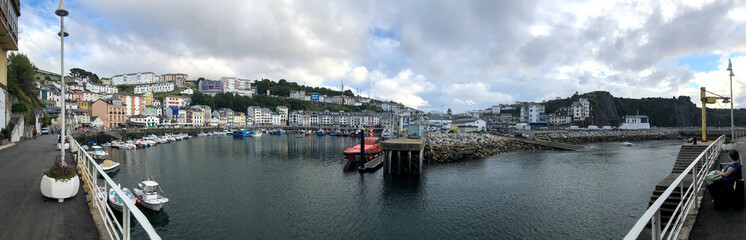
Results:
579 137
451 147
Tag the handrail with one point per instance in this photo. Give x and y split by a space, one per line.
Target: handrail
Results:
688 197
129 204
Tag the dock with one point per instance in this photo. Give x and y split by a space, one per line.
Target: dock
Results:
714 223
403 156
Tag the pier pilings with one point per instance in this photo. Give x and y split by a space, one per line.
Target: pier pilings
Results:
403 156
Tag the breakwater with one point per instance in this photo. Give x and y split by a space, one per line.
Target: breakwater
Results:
581 137
442 148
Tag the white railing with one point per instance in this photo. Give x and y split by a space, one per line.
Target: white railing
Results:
114 228
688 197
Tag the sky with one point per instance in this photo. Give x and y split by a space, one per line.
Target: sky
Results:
431 55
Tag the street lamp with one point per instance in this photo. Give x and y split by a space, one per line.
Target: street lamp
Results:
730 68
62 12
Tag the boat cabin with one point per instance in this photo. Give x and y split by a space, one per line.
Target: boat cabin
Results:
149 187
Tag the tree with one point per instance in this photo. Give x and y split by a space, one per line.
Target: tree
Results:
21 81
200 79
94 79
47 78
348 92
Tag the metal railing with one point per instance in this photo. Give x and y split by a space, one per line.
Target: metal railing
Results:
688 197
90 171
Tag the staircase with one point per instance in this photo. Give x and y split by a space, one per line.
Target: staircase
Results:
687 154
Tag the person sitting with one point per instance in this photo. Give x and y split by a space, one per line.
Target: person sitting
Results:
723 191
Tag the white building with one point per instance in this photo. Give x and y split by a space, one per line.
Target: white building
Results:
581 109
558 119
532 113
147 120
471 122
187 91
154 87
100 88
134 78
175 101
275 119
238 86
132 104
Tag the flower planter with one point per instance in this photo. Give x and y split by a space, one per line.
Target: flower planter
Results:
67 146
729 146
60 190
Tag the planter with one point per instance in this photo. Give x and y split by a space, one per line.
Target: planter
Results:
4 141
60 190
67 146
729 146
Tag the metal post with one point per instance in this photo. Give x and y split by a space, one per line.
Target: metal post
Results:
655 225
419 168
702 93
694 181
62 80
125 221
730 68
389 156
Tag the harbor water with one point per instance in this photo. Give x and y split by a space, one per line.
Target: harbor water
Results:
283 187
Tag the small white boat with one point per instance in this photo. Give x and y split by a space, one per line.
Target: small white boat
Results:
98 153
627 144
202 134
149 195
116 202
109 166
257 134
126 145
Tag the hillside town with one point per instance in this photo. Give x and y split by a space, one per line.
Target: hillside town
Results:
165 101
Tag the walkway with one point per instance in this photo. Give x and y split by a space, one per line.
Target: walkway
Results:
720 224
25 212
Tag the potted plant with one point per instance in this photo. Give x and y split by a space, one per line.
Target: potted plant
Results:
60 181
67 143
4 136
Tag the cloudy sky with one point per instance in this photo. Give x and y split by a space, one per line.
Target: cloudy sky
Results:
434 54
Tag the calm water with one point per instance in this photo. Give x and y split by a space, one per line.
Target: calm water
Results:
281 187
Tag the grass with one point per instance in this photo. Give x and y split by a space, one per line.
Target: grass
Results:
159 96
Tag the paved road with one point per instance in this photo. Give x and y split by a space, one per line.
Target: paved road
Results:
24 212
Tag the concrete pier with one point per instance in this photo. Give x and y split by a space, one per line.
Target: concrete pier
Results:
403 156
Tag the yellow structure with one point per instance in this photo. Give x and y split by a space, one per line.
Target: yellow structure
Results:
706 100
83 105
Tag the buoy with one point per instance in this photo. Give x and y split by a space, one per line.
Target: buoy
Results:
138 201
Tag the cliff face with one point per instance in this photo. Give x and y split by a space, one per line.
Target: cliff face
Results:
607 110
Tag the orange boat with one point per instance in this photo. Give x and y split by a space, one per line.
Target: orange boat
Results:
372 151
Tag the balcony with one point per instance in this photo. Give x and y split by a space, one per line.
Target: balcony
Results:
9 9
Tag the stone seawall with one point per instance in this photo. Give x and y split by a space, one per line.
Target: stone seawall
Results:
442 148
580 137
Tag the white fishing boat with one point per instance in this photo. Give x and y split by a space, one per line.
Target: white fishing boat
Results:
98 153
125 145
257 134
110 166
116 202
627 144
150 195
387 134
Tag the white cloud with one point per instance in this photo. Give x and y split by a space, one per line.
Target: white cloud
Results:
403 88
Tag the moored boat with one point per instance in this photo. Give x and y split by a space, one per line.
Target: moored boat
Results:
372 151
98 153
110 166
627 144
116 202
149 195
320 133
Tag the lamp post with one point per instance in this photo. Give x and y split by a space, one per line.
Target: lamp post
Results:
62 12
730 68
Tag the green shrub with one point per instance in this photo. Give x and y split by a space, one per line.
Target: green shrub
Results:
19 107
60 172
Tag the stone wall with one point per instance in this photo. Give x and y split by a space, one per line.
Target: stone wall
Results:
441 148
580 137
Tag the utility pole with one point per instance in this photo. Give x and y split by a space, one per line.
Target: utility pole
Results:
730 68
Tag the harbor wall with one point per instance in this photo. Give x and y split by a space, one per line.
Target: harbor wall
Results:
442 148
581 137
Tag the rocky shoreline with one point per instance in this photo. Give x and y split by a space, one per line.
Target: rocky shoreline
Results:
442 148
581 137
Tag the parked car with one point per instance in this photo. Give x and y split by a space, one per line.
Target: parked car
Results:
44 130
